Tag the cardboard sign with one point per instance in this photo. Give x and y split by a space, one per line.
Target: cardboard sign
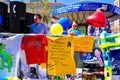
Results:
83 43
60 56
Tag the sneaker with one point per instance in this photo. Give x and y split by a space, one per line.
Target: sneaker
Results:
89 56
94 59
84 56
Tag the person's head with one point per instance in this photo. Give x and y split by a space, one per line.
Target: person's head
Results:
74 25
37 18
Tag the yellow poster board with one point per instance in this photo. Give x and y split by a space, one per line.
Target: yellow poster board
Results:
60 56
83 43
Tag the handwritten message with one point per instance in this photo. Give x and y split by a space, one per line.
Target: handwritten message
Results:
60 56
83 43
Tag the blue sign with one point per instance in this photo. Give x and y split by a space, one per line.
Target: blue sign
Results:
117 10
87 6
100 1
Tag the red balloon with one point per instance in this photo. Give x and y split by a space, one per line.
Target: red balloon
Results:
97 19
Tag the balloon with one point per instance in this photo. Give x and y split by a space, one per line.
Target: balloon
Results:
64 22
97 19
76 32
56 29
65 32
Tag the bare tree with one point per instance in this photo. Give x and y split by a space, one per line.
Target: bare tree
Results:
6 1
1 0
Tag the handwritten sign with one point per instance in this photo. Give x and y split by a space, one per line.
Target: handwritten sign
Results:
60 56
83 43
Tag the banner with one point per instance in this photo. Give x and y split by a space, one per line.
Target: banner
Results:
9 56
87 6
83 43
100 1
60 56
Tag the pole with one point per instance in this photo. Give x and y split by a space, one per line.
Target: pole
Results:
55 1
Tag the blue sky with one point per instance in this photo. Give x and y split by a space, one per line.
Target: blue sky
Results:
60 1
67 2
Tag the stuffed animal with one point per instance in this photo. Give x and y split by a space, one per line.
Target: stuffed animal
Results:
5 58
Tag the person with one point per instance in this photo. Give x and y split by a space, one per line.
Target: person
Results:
107 26
34 70
38 27
77 55
90 30
74 29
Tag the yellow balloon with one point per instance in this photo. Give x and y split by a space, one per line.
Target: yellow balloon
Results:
56 29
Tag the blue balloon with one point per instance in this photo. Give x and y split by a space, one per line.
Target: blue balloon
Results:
65 32
64 22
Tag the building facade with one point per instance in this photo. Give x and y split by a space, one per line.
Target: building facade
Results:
115 25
